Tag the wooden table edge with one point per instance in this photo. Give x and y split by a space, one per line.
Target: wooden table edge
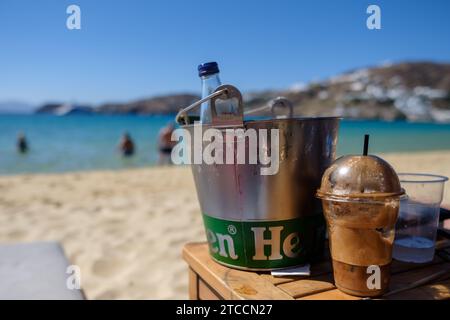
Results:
221 286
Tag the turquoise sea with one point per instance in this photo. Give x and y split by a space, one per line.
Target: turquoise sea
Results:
74 143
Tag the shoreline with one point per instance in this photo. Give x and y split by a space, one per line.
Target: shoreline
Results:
384 155
88 171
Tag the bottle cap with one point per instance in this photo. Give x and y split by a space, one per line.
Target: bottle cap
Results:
207 68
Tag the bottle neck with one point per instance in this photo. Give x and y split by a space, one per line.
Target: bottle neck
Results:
210 83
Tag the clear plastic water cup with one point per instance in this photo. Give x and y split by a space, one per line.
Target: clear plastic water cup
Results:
418 219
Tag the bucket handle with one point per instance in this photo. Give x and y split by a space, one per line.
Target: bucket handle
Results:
223 92
273 105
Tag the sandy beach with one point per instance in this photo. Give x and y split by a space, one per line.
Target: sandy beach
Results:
125 229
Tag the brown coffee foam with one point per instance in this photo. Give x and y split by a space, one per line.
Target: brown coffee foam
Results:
361 247
362 215
361 233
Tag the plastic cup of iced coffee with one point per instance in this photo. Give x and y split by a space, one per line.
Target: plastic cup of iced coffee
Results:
360 197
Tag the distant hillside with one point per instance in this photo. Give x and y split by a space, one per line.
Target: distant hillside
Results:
417 91
156 105
63 109
48 108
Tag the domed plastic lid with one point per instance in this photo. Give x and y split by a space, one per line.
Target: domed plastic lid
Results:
360 177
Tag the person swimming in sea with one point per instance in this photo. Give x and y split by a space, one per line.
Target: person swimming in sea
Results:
165 144
22 143
126 145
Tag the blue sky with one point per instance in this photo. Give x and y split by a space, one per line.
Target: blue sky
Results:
132 49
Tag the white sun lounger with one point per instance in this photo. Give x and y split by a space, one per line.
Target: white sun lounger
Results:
35 271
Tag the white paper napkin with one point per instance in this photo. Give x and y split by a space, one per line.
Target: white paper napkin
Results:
295 271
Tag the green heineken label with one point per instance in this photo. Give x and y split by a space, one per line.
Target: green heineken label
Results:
265 244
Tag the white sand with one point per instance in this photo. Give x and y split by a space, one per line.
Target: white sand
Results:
126 229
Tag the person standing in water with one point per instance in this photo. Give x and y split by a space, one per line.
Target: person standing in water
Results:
22 144
126 145
165 144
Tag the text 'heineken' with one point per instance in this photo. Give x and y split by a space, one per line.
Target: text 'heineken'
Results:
264 244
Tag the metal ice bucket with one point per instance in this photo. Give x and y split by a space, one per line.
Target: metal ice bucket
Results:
264 222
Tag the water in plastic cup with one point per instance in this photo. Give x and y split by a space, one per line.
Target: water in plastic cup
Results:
418 219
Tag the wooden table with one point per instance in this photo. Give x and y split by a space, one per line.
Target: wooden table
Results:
209 280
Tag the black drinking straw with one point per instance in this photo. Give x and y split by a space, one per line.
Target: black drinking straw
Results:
366 144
